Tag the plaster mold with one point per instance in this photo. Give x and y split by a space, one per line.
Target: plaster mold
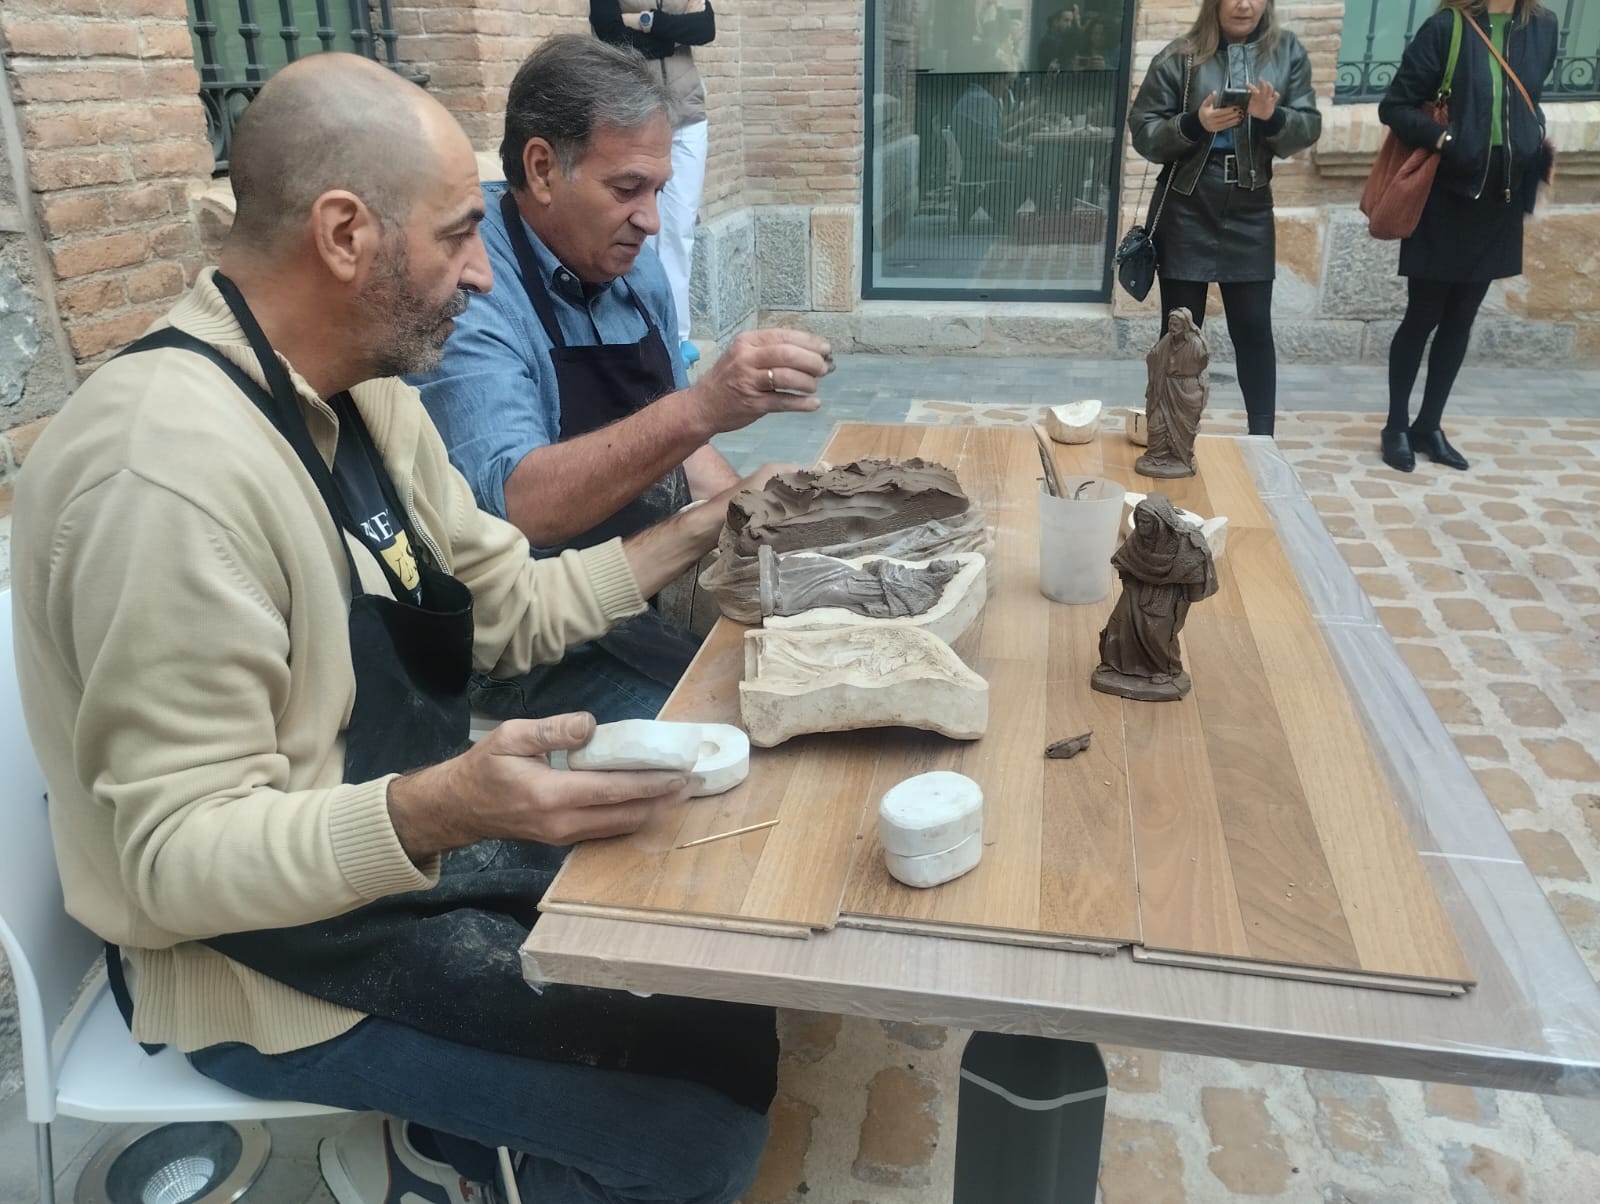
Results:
1213 530
1077 422
639 744
847 678
929 813
724 759
1133 423
949 598
936 868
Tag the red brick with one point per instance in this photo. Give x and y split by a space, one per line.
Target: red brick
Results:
187 158
177 238
56 170
23 438
39 84
99 254
157 282
63 127
40 39
74 214
81 299
97 39
91 338
166 42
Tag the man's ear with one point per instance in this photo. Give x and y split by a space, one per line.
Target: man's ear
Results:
345 234
540 166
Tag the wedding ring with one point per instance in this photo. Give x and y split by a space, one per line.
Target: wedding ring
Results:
772 385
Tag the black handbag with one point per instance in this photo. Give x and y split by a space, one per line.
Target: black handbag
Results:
1136 253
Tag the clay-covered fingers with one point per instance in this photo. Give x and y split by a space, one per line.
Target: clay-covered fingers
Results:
792 368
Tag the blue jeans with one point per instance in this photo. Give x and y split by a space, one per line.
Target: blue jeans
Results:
593 1136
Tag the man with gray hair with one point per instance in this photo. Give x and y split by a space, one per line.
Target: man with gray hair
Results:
559 397
249 590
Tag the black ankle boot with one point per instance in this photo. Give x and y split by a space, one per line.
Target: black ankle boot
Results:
1397 452
1437 448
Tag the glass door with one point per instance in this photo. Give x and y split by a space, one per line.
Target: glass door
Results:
994 144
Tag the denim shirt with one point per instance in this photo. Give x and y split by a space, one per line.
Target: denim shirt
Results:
493 397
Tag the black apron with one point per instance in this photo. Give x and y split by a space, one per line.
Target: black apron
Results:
444 960
598 385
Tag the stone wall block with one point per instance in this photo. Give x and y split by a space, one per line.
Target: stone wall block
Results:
1085 334
722 284
783 256
1360 280
835 256
909 333
1326 342
19 341
1375 340
1517 343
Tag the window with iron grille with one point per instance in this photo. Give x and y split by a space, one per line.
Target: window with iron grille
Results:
1376 33
239 44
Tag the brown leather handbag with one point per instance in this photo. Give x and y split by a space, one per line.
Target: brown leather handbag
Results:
1402 176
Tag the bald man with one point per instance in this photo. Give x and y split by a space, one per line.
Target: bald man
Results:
249 593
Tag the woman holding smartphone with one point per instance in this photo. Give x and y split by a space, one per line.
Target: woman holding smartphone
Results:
1216 107
1492 157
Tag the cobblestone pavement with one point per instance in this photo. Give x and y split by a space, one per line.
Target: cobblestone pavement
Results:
1489 581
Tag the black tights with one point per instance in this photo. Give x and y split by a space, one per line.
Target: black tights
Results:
1430 305
1249 309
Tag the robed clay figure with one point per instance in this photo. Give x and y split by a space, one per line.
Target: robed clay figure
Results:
1165 565
1174 396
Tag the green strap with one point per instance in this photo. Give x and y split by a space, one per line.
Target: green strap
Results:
1455 56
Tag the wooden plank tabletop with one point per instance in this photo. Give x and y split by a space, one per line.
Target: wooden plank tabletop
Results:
1531 1023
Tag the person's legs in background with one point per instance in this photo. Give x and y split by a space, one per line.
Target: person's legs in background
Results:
1248 305
1460 310
1449 309
1182 294
680 208
591 1136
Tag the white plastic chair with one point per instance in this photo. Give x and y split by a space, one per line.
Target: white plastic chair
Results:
78 1059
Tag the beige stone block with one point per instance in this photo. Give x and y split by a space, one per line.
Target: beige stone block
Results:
1564 759
1140 1163
1403 622
1538 619
835 257
1132 1070
1428 663
1561 266
808 1036
901 1129
1507 790
1247 1154
1549 855
782 1174
1486 748
1465 614
1526 705
1453 706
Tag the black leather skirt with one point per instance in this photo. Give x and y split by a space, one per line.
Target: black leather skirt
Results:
1220 232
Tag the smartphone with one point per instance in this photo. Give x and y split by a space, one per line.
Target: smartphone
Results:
1234 98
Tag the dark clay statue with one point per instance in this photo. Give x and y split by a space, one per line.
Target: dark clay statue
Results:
1174 397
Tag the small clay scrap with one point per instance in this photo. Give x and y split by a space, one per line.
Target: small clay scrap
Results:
1165 567
1076 422
842 505
931 828
1066 749
806 590
1174 398
845 678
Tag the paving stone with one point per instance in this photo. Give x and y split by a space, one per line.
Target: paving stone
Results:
1579 1119
807 1036
1361 555
1564 759
918 1036
1538 618
1381 585
1247 1153
1486 748
1413 542
781 1178
1577 594
1394 516
1582 543
1526 705
1493 655
1461 1103
1133 1070
1509 585
1558 518
1581 918
1569 656
1465 614
1444 503
1507 790
1354 1120
1403 621
1453 707
1502 512
1140 1163
1428 663
1588 806
1552 566
1485 557
901 1129
1436 578
1549 855
1371 489
1466 529
1585 692
1479 1175
1332 504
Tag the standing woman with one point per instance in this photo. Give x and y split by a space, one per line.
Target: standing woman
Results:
663 31
1216 177
1492 157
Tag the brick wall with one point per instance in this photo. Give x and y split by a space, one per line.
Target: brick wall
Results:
105 94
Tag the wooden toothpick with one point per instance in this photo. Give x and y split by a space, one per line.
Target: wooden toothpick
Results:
689 844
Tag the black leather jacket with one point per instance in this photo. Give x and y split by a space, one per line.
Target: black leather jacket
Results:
1464 165
1167 131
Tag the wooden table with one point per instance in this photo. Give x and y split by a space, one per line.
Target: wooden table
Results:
1531 1023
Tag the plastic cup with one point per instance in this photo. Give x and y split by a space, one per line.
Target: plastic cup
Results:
1077 535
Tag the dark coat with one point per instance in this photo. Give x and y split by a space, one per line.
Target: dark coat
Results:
1531 46
1165 130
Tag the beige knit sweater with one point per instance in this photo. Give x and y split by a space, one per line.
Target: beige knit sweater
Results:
182 643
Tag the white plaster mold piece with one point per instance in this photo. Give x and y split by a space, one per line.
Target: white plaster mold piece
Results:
929 813
639 744
724 759
847 678
1133 424
956 610
1213 530
1075 422
932 869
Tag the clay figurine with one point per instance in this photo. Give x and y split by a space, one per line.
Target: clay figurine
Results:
878 589
1165 566
1174 396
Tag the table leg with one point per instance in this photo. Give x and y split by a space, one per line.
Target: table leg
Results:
1031 1114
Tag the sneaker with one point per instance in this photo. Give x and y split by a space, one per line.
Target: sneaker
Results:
690 353
374 1162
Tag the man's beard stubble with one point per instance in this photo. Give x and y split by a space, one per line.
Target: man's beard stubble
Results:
410 333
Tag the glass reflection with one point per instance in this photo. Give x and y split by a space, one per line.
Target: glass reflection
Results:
995 138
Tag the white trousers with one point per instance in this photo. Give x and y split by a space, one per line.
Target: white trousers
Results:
680 206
